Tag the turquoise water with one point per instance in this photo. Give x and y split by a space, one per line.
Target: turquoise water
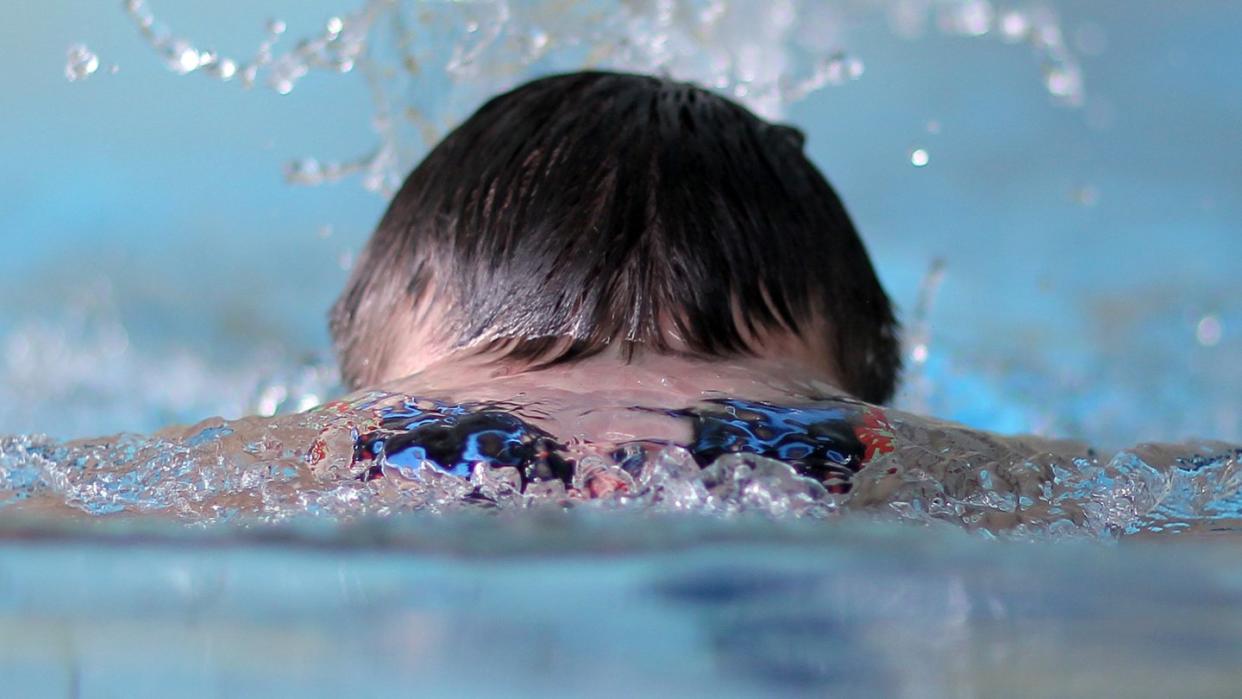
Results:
158 269
602 607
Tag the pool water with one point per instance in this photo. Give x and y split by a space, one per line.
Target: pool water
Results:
1050 193
567 604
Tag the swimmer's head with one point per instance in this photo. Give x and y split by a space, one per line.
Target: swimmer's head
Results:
596 212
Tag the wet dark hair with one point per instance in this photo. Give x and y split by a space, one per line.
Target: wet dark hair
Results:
593 209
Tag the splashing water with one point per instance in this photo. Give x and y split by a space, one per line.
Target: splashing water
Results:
68 367
320 464
80 63
766 55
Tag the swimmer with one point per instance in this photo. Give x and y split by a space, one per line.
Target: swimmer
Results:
590 246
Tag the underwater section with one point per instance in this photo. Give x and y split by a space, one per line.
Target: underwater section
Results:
692 606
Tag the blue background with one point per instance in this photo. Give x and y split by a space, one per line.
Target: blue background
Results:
152 208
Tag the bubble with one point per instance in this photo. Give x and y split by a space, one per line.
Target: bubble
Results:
80 63
919 157
1209 330
276 27
335 26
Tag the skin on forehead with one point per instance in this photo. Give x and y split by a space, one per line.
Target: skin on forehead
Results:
416 341
593 398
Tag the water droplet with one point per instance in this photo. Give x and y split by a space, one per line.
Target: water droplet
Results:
80 63
919 157
972 18
183 58
248 74
536 42
1014 26
271 398
1065 82
1048 34
226 69
1209 330
854 68
919 354
304 171
705 45
840 67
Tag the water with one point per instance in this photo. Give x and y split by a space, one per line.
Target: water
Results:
1062 243
703 607
766 57
80 63
386 454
